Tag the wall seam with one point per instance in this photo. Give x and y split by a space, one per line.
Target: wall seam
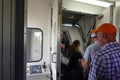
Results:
10 36
2 39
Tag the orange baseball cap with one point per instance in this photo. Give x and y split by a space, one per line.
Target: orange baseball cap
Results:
106 28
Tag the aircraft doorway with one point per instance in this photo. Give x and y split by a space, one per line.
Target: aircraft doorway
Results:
75 26
77 23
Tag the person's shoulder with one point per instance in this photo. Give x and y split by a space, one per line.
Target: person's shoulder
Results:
100 54
88 49
90 46
92 49
78 54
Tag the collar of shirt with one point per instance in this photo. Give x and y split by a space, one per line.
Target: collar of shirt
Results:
108 45
96 42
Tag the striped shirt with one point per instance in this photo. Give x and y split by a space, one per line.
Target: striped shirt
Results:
105 64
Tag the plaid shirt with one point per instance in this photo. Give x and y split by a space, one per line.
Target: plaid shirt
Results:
105 64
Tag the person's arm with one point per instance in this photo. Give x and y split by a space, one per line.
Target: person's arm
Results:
86 65
80 62
86 60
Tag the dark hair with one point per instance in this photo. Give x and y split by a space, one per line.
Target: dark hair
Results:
75 46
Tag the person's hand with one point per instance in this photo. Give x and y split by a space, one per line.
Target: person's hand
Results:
80 62
63 46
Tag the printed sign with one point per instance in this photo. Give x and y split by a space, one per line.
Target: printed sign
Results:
35 69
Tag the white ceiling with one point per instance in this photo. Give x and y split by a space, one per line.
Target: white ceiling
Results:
109 0
83 7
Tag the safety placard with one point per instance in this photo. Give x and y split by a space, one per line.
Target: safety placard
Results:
35 69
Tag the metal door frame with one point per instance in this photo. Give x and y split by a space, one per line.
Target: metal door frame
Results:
12 63
20 41
0 39
59 40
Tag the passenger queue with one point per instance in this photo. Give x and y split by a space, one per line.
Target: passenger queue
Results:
101 60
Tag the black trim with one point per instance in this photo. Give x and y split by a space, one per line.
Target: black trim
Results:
42 46
20 64
11 29
2 39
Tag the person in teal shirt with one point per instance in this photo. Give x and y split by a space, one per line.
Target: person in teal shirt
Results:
90 50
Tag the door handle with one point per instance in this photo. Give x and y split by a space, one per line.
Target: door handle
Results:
53 61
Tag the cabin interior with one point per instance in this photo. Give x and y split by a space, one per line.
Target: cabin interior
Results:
30 33
74 17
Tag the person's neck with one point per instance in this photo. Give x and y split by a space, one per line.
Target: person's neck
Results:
95 40
109 41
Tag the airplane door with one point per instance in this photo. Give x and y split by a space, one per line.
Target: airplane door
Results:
59 40
54 52
55 43
0 40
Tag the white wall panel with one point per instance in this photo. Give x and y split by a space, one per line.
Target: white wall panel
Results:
38 17
117 19
106 17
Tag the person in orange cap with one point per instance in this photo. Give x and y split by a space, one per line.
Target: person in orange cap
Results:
105 64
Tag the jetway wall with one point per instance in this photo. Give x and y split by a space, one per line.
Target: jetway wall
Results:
74 35
116 18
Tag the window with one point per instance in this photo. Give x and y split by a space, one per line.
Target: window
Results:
34 44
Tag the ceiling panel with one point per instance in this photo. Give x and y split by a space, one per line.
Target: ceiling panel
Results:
81 7
111 0
70 17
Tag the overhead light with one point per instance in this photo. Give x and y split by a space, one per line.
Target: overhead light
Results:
67 24
96 2
76 25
